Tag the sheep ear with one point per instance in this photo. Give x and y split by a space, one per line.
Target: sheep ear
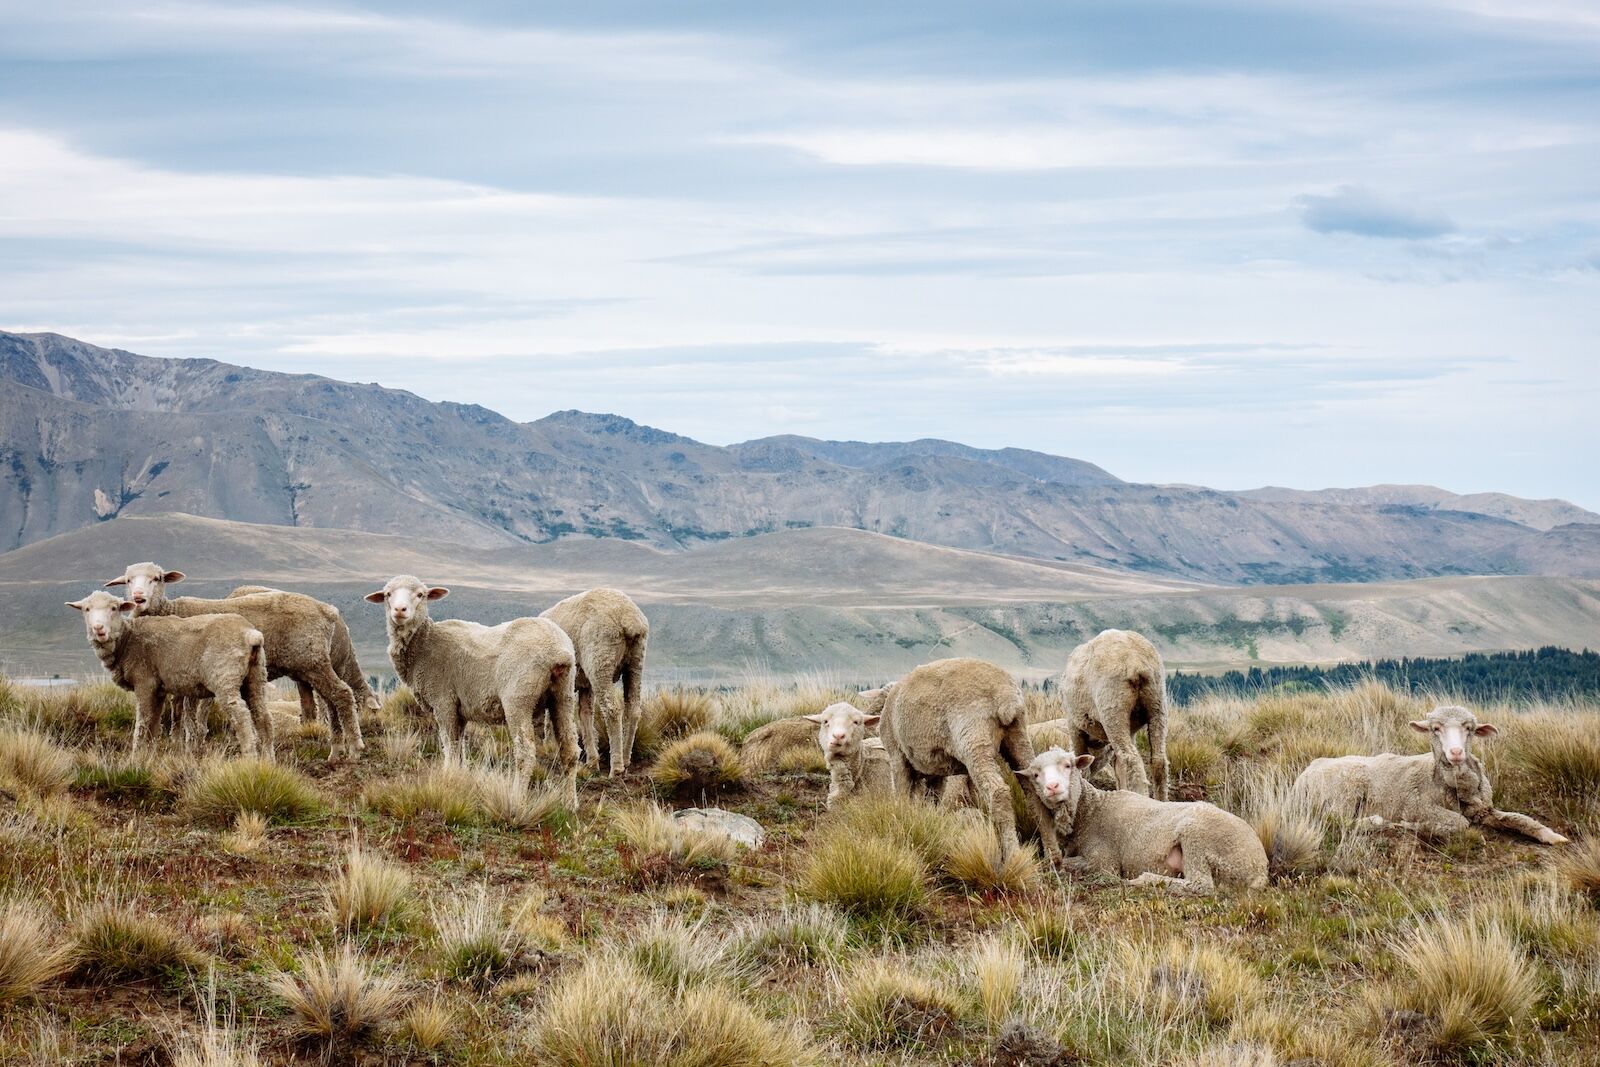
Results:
1083 761
872 700
872 720
1027 772
172 576
1486 729
113 583
1420 726
376 598
438 592
126 607
819 718
81 605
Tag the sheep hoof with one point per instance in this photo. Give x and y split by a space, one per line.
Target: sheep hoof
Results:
1550 837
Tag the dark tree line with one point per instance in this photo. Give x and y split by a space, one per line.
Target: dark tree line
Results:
1548 673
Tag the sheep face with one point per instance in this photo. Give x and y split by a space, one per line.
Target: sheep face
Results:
1057 776
145 585
842 728
1451 730
405 600
104 616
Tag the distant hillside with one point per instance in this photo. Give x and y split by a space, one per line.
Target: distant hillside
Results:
90 434
845 602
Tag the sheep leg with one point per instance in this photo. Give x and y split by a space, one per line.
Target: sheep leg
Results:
1187 884
562 699
1018 752
1156 731
330 687
254 694
841 782
606 706
147 701
448 717
521 709
1128 765
994 796
901 779
632 672
590 730
1518 823
308 703
1437 822
239 714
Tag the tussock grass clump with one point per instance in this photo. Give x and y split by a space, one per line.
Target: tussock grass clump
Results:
507 800
401 706
221 789
804 934
121 779
1049 933
996 969
675 952
865 874
401 744
1179 981
1548 756
479 940
76 714
745 709
883 1004
32 764
972 859
338 998
113 941
1193 759
428 1024
215 1046
1230 1054
370 892
1470 978
701 763
447 792
655 847
1579 865
249 833
29 956
1291 831
910 821
675 713
611 1013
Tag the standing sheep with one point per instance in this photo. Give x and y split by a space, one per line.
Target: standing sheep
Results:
1112 688
1437 793
343 655
842 734
464 672
961 716
298 633
218 657
1152 842
609 634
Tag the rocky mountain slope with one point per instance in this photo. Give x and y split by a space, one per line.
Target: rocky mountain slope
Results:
90 434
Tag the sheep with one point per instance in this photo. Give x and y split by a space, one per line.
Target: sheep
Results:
464 672
1194 846
343 654
298 632
1437 793
1114 686
842 735
609 634
220 657
961 716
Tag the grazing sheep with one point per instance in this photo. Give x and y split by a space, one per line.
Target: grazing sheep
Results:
211 656
1152 842
842 733
609 634
464 672
1437 793
961 716
344 661
298 632
1113 687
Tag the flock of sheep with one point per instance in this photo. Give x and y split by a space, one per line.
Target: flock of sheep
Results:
946 726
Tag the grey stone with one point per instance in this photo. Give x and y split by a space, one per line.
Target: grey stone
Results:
741 828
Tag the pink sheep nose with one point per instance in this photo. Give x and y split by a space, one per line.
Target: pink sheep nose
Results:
99 631
138 598
1457 755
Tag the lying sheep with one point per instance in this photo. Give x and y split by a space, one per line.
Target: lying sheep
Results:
514 673
1152 842
298 634
1113 687
343 654
842 734
1437 793
211 656
609 634
961 716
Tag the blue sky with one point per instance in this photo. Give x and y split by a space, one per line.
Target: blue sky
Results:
1303 244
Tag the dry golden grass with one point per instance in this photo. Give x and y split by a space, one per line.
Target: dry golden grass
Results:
429 1024
997 968
884 1004
115 940
701 763
215 1046
338 997
30 762
650 833
221 789
912 822
1468 977
865 874
446 792
369 892
1177 981
972 859
1579 865
249 833
29 955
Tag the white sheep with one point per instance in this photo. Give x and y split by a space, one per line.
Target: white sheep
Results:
961 716
1437 793
513 673
1152 842
211 656
1113 687
299 635
609 635
842 733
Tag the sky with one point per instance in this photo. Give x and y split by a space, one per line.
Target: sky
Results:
1234 244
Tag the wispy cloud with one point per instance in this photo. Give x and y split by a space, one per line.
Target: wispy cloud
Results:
1352 209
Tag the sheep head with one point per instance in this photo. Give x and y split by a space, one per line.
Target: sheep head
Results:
1451 730
405 599
104 616
842 728
1057 775
145 585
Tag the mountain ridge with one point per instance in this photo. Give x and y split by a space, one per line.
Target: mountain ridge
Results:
90 434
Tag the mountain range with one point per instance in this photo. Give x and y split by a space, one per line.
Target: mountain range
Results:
90 434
